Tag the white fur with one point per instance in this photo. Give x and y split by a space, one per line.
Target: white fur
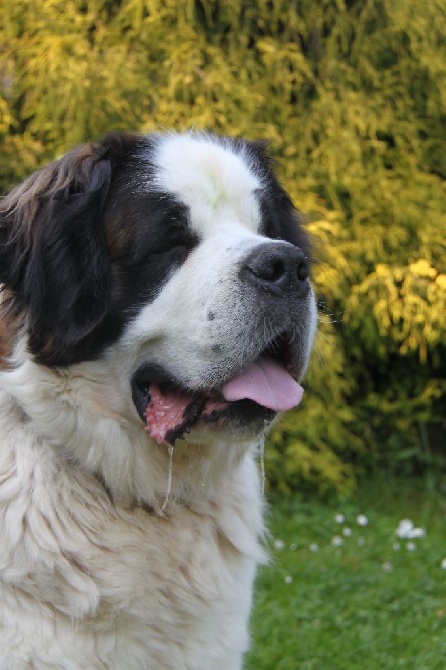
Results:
93 576
91 584
216 184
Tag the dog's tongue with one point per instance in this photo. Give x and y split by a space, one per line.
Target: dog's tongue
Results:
267 383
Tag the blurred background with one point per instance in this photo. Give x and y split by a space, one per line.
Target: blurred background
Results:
351 95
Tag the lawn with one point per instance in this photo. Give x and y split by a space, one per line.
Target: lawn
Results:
345 592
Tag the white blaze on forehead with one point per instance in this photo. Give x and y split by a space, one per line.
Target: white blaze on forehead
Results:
217 184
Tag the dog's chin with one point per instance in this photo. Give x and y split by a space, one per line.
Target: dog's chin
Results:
241 420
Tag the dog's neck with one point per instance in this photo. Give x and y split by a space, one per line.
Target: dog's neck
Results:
74 412
119 470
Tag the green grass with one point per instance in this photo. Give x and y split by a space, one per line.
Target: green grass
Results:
364 605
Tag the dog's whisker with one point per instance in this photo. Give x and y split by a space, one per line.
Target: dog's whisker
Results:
329 313
330 342
329 320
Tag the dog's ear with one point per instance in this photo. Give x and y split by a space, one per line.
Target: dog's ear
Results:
53 258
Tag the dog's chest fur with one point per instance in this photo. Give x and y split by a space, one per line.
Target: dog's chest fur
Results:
119 588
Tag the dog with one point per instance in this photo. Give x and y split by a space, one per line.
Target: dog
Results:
157 315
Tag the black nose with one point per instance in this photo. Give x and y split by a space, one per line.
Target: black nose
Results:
276 267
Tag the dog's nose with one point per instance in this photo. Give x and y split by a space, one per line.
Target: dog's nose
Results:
276 267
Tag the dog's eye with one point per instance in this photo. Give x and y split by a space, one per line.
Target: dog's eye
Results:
179 247
179 253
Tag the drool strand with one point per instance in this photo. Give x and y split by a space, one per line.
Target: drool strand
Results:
169 478
262 463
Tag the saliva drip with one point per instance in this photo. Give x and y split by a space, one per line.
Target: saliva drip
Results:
262 463
169 478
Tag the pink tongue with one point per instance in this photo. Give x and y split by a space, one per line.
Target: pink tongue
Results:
267 383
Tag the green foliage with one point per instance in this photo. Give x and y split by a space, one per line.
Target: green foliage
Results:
352 95
365 604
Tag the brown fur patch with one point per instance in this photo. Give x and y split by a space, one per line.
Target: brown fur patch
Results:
9 328
118 236
25 200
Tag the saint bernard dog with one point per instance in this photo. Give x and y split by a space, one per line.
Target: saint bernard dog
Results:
157 315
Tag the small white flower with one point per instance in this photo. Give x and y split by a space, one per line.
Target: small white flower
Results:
347 532
314 547
339 518
387 566
362 520
337 541
279 544
443 564
396 546
417 532
361 542
293 546
411 546
404 529
288 579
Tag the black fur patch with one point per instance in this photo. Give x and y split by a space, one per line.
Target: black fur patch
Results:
89 240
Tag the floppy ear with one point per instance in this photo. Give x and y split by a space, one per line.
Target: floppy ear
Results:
52 252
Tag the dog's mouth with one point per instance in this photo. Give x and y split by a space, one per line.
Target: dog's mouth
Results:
260 390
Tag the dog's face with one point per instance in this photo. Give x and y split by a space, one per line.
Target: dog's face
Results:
178 257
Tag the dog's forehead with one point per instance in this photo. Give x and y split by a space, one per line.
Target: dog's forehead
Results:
214 178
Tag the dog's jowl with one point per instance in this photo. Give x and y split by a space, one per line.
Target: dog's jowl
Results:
156 316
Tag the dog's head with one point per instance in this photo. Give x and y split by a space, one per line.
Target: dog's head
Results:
177 258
